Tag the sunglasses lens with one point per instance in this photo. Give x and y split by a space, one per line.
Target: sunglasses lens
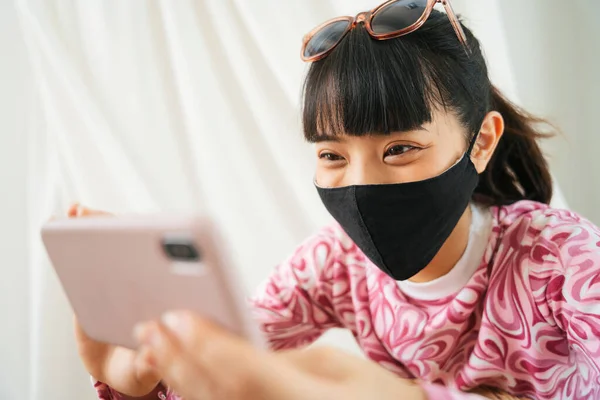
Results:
397 16
327 37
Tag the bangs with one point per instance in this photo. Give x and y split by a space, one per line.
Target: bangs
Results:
366 86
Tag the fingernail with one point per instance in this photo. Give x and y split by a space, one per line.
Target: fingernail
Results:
146 333
71 209
175 322
138 332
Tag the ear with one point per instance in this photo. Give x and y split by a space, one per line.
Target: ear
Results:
490 133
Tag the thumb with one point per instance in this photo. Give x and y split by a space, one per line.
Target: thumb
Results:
195 356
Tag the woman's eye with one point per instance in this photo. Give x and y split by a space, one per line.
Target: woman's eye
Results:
330 157
398 150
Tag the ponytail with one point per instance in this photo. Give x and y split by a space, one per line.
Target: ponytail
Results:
517 169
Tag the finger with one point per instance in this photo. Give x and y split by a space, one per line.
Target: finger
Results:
79 332
201 337
90 350
214 349
87 212
168 359
234 368
77 211
83 339
73 210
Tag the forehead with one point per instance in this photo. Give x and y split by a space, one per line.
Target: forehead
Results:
442 124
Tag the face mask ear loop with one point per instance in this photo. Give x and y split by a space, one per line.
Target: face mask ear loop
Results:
472 144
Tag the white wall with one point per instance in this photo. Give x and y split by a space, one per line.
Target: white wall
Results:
555 61
14 85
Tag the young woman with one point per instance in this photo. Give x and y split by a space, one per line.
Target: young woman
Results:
445 261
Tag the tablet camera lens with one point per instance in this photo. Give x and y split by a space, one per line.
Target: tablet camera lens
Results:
181 251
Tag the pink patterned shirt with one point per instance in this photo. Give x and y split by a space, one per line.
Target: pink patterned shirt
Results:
526 320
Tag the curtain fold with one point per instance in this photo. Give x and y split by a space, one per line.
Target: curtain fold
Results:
177 106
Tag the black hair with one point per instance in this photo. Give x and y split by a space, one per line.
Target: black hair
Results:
366 86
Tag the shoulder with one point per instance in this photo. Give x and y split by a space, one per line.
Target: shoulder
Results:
549 257
557 252
546 235
542 215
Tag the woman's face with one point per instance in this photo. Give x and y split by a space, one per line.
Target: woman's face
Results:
397 158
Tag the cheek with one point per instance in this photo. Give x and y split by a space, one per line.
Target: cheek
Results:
325 177
435 162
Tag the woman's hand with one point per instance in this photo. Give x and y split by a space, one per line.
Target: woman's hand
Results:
200 361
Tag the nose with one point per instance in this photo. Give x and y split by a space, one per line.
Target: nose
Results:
366 173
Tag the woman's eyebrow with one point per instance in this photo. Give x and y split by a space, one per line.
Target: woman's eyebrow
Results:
407 131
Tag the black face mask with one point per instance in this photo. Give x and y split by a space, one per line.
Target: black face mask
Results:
401 227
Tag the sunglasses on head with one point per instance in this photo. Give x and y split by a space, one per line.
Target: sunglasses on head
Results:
390 20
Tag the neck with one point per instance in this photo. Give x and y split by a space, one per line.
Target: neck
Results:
450 253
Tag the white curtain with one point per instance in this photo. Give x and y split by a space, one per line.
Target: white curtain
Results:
176 106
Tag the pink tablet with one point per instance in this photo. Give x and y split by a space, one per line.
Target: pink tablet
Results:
118 271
